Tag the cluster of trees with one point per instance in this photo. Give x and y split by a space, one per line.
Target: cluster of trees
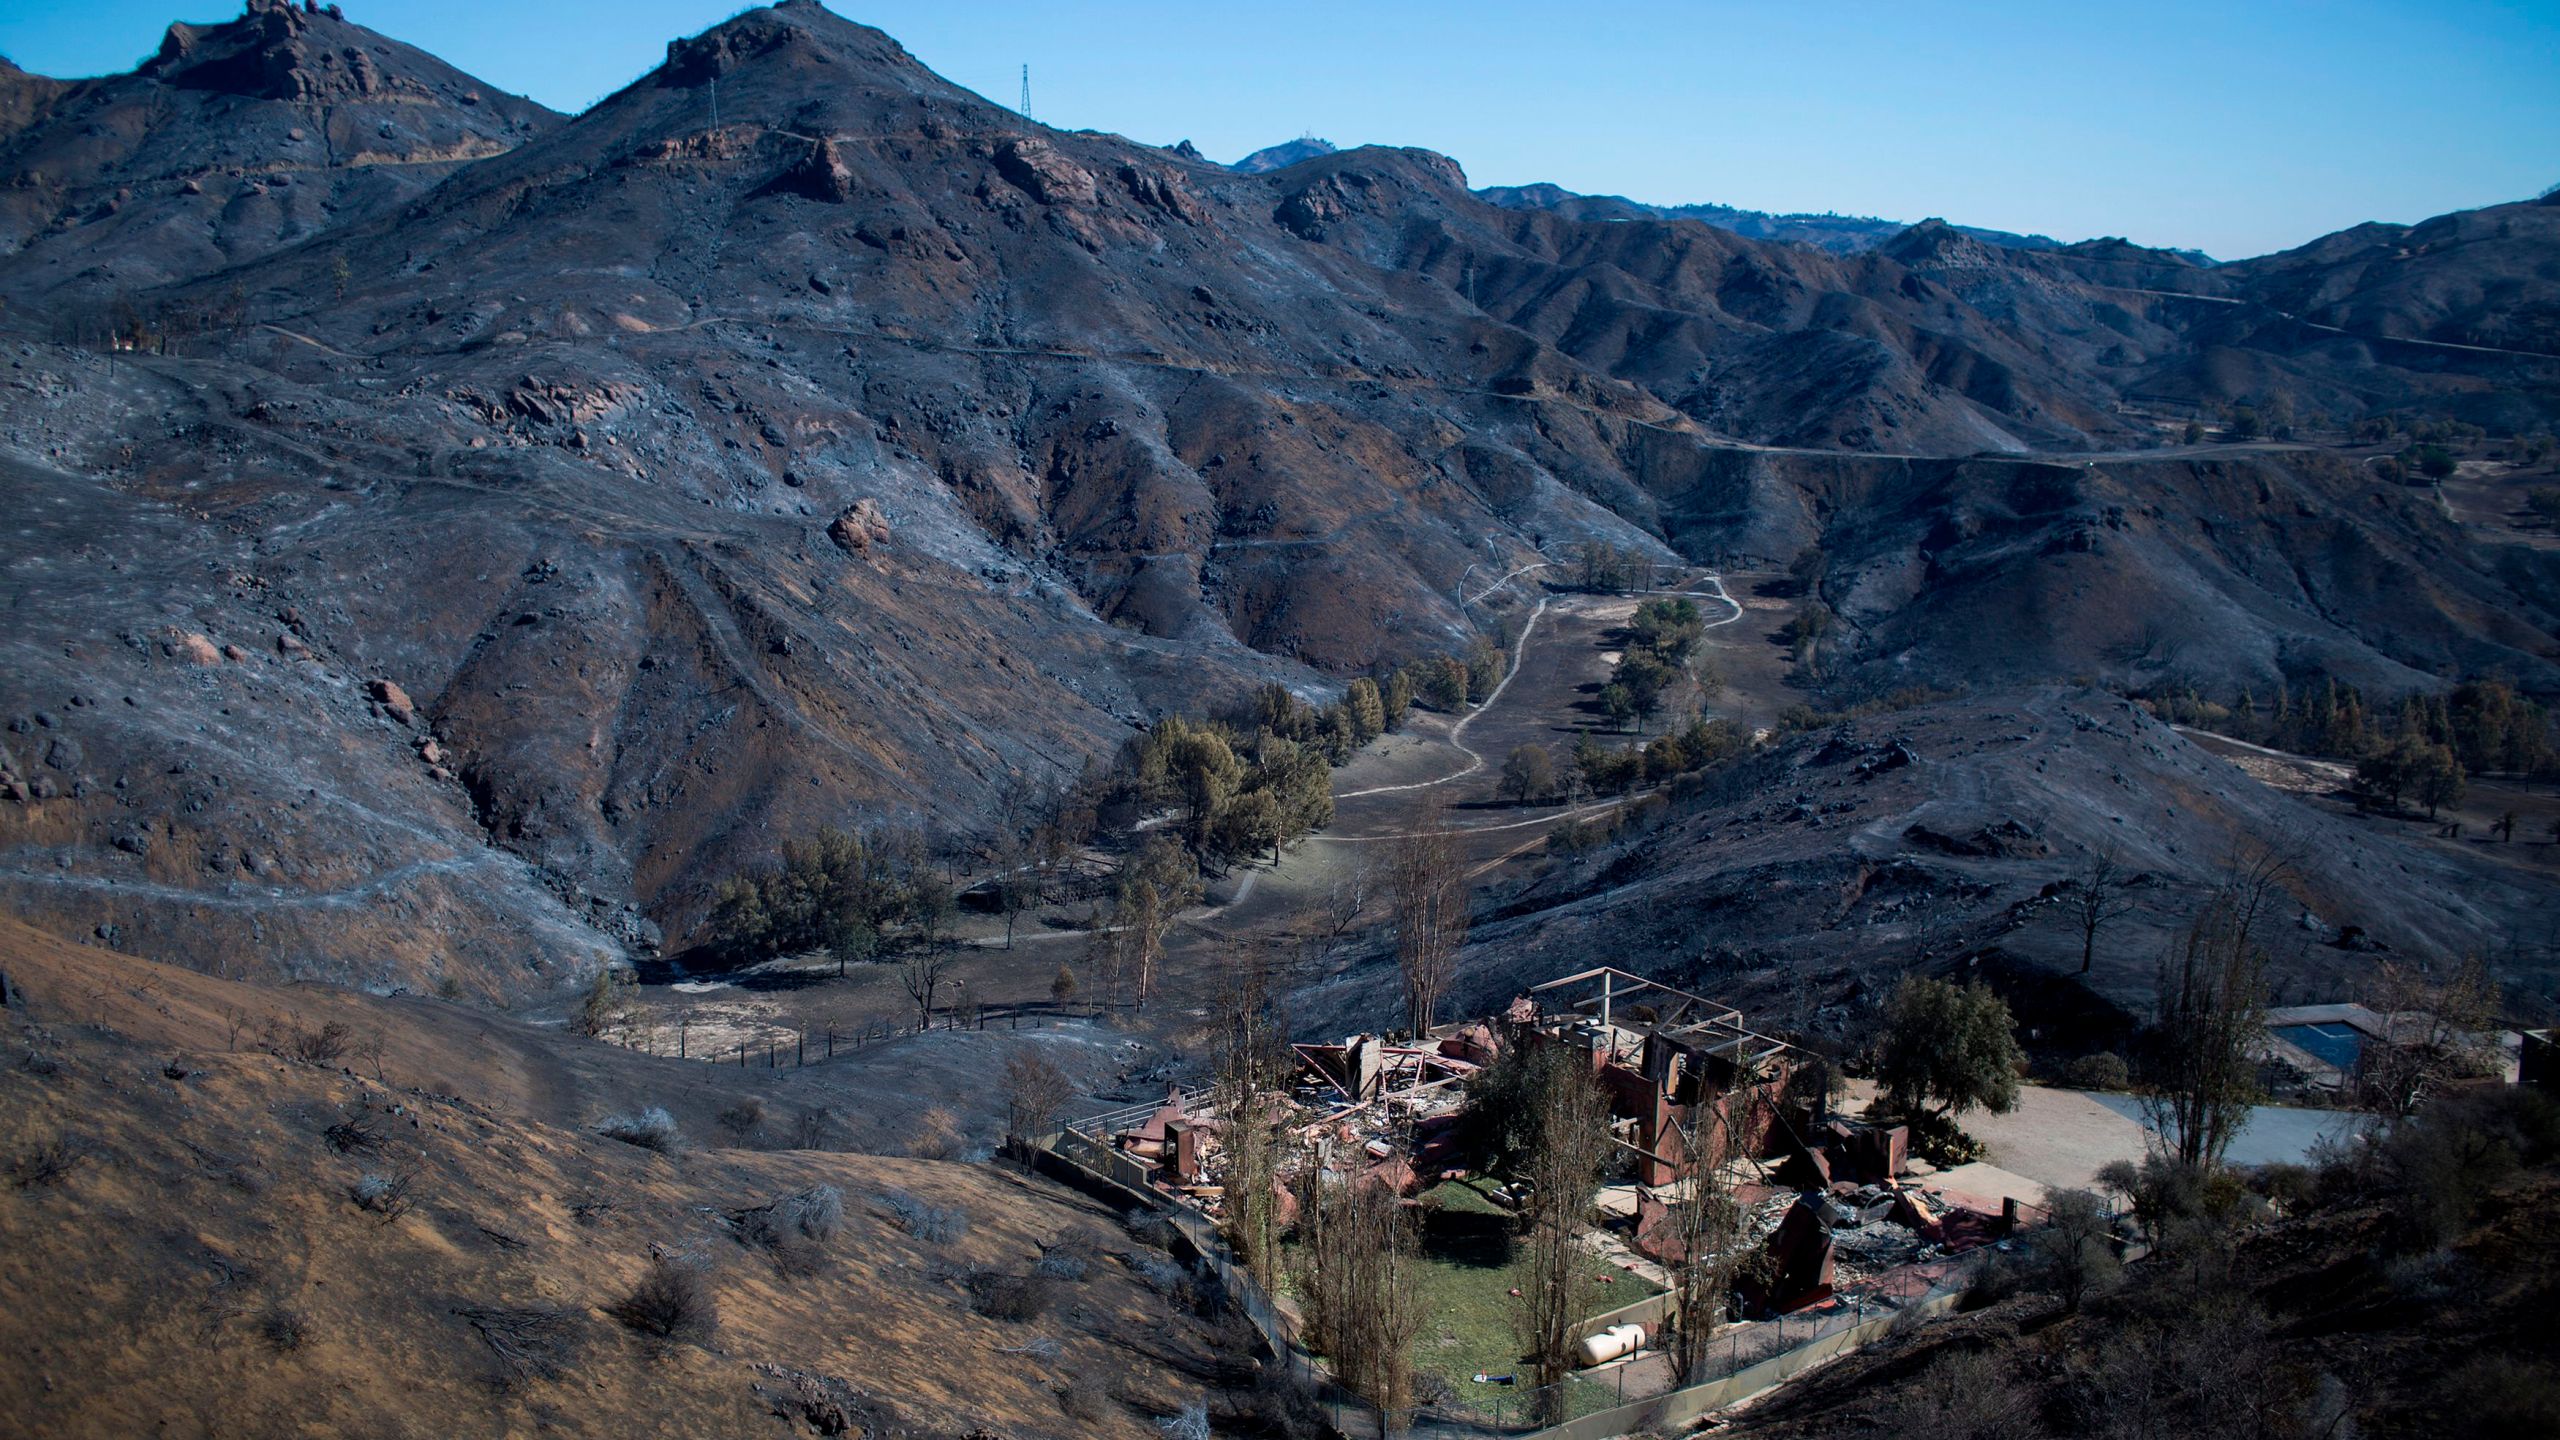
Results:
1607 569
1655 658
1237 797
1368 709
1531 774
2422 748
2409 765
159 326
1450 683
837 891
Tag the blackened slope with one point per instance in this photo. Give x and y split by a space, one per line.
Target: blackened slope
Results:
234 140
1123 432
2477 277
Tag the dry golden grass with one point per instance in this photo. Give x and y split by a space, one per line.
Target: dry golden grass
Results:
199 1266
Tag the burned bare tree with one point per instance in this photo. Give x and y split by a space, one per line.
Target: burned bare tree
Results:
922 970
1154 887
2098 900
1568 1143
1707 1219
1254 1065
1035 1090
1359 1277
2212 1017
1426 884
2437 1031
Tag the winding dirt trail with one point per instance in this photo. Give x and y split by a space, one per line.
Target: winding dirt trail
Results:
1519 651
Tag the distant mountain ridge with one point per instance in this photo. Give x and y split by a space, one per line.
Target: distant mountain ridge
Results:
1284 155
1835 234
1838 234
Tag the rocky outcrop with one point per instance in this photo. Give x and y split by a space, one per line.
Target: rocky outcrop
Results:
1037 169
394 701
820 173
860 527
1161 190
276 51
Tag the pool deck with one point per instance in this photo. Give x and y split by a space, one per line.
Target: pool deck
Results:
2059 1139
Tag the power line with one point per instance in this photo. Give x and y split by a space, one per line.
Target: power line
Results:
1024 109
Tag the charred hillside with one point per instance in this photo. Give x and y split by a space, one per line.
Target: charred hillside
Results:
233 141
454 536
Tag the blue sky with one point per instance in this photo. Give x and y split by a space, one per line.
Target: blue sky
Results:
2234 128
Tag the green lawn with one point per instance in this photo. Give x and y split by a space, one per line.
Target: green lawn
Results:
1469 1268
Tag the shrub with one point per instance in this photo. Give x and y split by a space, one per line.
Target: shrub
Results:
1081 1402
1191 1422
47 1164
1160 1274
2432 1278
284 1327
1940 1141
323 1046
1066 1258
793 1228
2073 1251
527 1344
2097 1072
671 1302
1148 1228
813 1129
1017 1298
743 1120
2293 1189
384 1195
938 1137
932 1224
650 1129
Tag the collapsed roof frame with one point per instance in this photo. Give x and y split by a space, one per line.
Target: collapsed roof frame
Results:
1685 1018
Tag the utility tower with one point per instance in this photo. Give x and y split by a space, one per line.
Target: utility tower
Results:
1024 109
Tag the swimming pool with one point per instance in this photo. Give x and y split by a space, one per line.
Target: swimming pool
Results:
2333 1044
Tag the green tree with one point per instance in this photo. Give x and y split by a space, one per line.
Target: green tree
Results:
1485 665
2433 461
1200 773
1368 709
1805 633
1667 628
1299 780
2439 780
1618 703
1396 698
1647 679
1250 824
1529 775
1807 570
1954 1047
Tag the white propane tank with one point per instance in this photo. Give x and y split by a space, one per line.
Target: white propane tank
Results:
1615 1343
